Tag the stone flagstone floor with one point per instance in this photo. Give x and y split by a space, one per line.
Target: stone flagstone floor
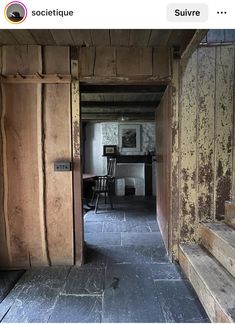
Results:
127 277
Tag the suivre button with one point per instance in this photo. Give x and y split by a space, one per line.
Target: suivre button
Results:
187 12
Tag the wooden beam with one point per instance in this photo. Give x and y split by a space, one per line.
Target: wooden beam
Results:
123 104
193 44
117 116
76 159
123 88
35 78
113 109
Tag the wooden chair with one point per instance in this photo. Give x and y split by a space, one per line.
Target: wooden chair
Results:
102 186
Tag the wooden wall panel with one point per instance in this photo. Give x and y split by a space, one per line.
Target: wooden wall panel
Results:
3 235
163 146
188 158
174 212
23 174
105 63
205 136
57 147
134 61
224 126
22 59
161 62
87 61
22 160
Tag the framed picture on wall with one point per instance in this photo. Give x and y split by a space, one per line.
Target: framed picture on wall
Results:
109 150
129 137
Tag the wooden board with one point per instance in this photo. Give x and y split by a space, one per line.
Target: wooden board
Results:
163 148
77 164
219 240
223 126
188 147
105 63
87 61
62 37
161 62
57 147
22 160
23 186
3 235
60 62
205 135
174 233
22 59
119 37
134 61
214 286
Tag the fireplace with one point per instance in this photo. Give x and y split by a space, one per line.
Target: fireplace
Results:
134 173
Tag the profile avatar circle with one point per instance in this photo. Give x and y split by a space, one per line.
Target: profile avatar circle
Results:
15 12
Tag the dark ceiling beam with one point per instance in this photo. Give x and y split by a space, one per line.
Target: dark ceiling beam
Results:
121 110
110 116
122 88
124 104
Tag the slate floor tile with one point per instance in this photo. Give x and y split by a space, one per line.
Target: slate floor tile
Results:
153 226
39 291
83 281
127 226
93 227
143 239
129 295
94 256
166 271
7 281
179 302
77 309
102 239
104 215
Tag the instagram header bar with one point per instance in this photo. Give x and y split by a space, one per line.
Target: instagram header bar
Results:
154 14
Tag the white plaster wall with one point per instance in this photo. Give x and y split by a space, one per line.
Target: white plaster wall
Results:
99 134
94 161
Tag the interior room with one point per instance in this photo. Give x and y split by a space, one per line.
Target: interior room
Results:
117 176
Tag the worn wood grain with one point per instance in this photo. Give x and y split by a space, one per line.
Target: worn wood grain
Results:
162 62
100 37
230 213
211 281
77 166
4 260
188 147
43 36
57 147
163 146
60 60
22 59
23 36
23 175
105 61
119 37
219 240
134 61
139 37
205 133
174 211
87 61
223 126
62 37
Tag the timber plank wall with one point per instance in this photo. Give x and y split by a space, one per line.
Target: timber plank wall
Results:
36 207
205 136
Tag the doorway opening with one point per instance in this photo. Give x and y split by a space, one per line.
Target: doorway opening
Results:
119 124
